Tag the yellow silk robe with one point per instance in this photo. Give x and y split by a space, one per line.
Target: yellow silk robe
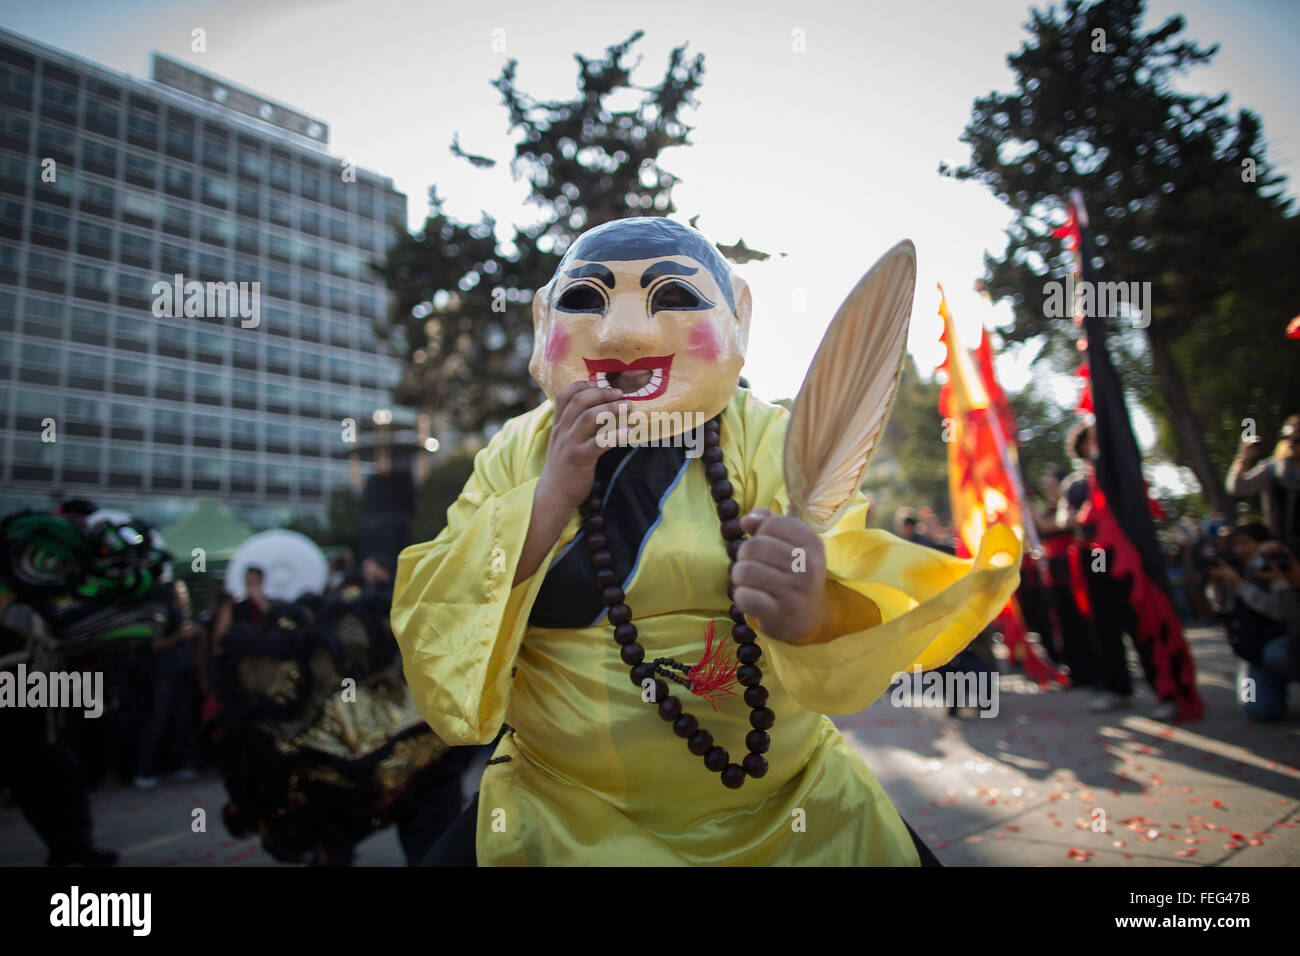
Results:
595 776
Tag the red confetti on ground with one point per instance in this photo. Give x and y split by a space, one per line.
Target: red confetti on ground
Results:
1015 829
1232 846
1080 856
1216 804
1191 851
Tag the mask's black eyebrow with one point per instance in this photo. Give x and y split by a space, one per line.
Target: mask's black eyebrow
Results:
665 268
593 269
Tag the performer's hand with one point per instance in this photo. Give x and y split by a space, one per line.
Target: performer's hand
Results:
574 446
570 468
780 575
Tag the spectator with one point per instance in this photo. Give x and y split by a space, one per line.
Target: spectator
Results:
377 578
1182 575
1256 585
340 568
908 527
1276 481
252 610
172 715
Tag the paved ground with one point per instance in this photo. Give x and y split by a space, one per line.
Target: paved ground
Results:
1025 787
1020 789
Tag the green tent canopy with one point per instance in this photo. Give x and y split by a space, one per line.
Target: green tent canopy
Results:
210 526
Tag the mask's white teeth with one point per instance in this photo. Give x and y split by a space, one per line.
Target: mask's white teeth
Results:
602 379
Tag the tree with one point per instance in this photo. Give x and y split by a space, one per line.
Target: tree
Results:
1165 178
910 469
339 527
1042 427
463 309
439 492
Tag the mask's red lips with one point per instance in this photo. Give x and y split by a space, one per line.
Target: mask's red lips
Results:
599 371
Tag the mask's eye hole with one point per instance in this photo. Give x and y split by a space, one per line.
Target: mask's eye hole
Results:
676 297
581 298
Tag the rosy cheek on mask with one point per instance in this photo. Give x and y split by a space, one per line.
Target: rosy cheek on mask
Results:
557 346
704 341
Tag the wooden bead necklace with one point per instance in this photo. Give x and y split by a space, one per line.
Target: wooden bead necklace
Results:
708 678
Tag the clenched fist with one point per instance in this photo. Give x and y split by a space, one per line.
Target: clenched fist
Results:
780 575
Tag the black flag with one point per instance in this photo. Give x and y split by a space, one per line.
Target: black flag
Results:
1123 513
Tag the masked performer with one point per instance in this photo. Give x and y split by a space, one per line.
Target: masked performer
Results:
318 740
576 580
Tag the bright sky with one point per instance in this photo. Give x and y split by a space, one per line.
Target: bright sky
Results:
827 155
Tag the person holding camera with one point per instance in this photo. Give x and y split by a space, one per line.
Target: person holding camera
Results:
1276 481
1256 584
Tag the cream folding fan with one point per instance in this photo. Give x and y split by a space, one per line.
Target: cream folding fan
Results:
841 410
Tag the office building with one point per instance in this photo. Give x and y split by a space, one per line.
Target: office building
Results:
112 186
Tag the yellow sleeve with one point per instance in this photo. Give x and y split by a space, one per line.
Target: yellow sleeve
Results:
893 604
898 605
457 619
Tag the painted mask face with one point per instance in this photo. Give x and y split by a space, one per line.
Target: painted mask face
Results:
650 307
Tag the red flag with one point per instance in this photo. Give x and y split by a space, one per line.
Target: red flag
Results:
983 472
997 398
1085 391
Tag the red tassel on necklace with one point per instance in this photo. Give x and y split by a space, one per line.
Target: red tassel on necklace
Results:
710 677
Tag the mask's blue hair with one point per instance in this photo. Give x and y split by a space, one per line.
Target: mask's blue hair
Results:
649 237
